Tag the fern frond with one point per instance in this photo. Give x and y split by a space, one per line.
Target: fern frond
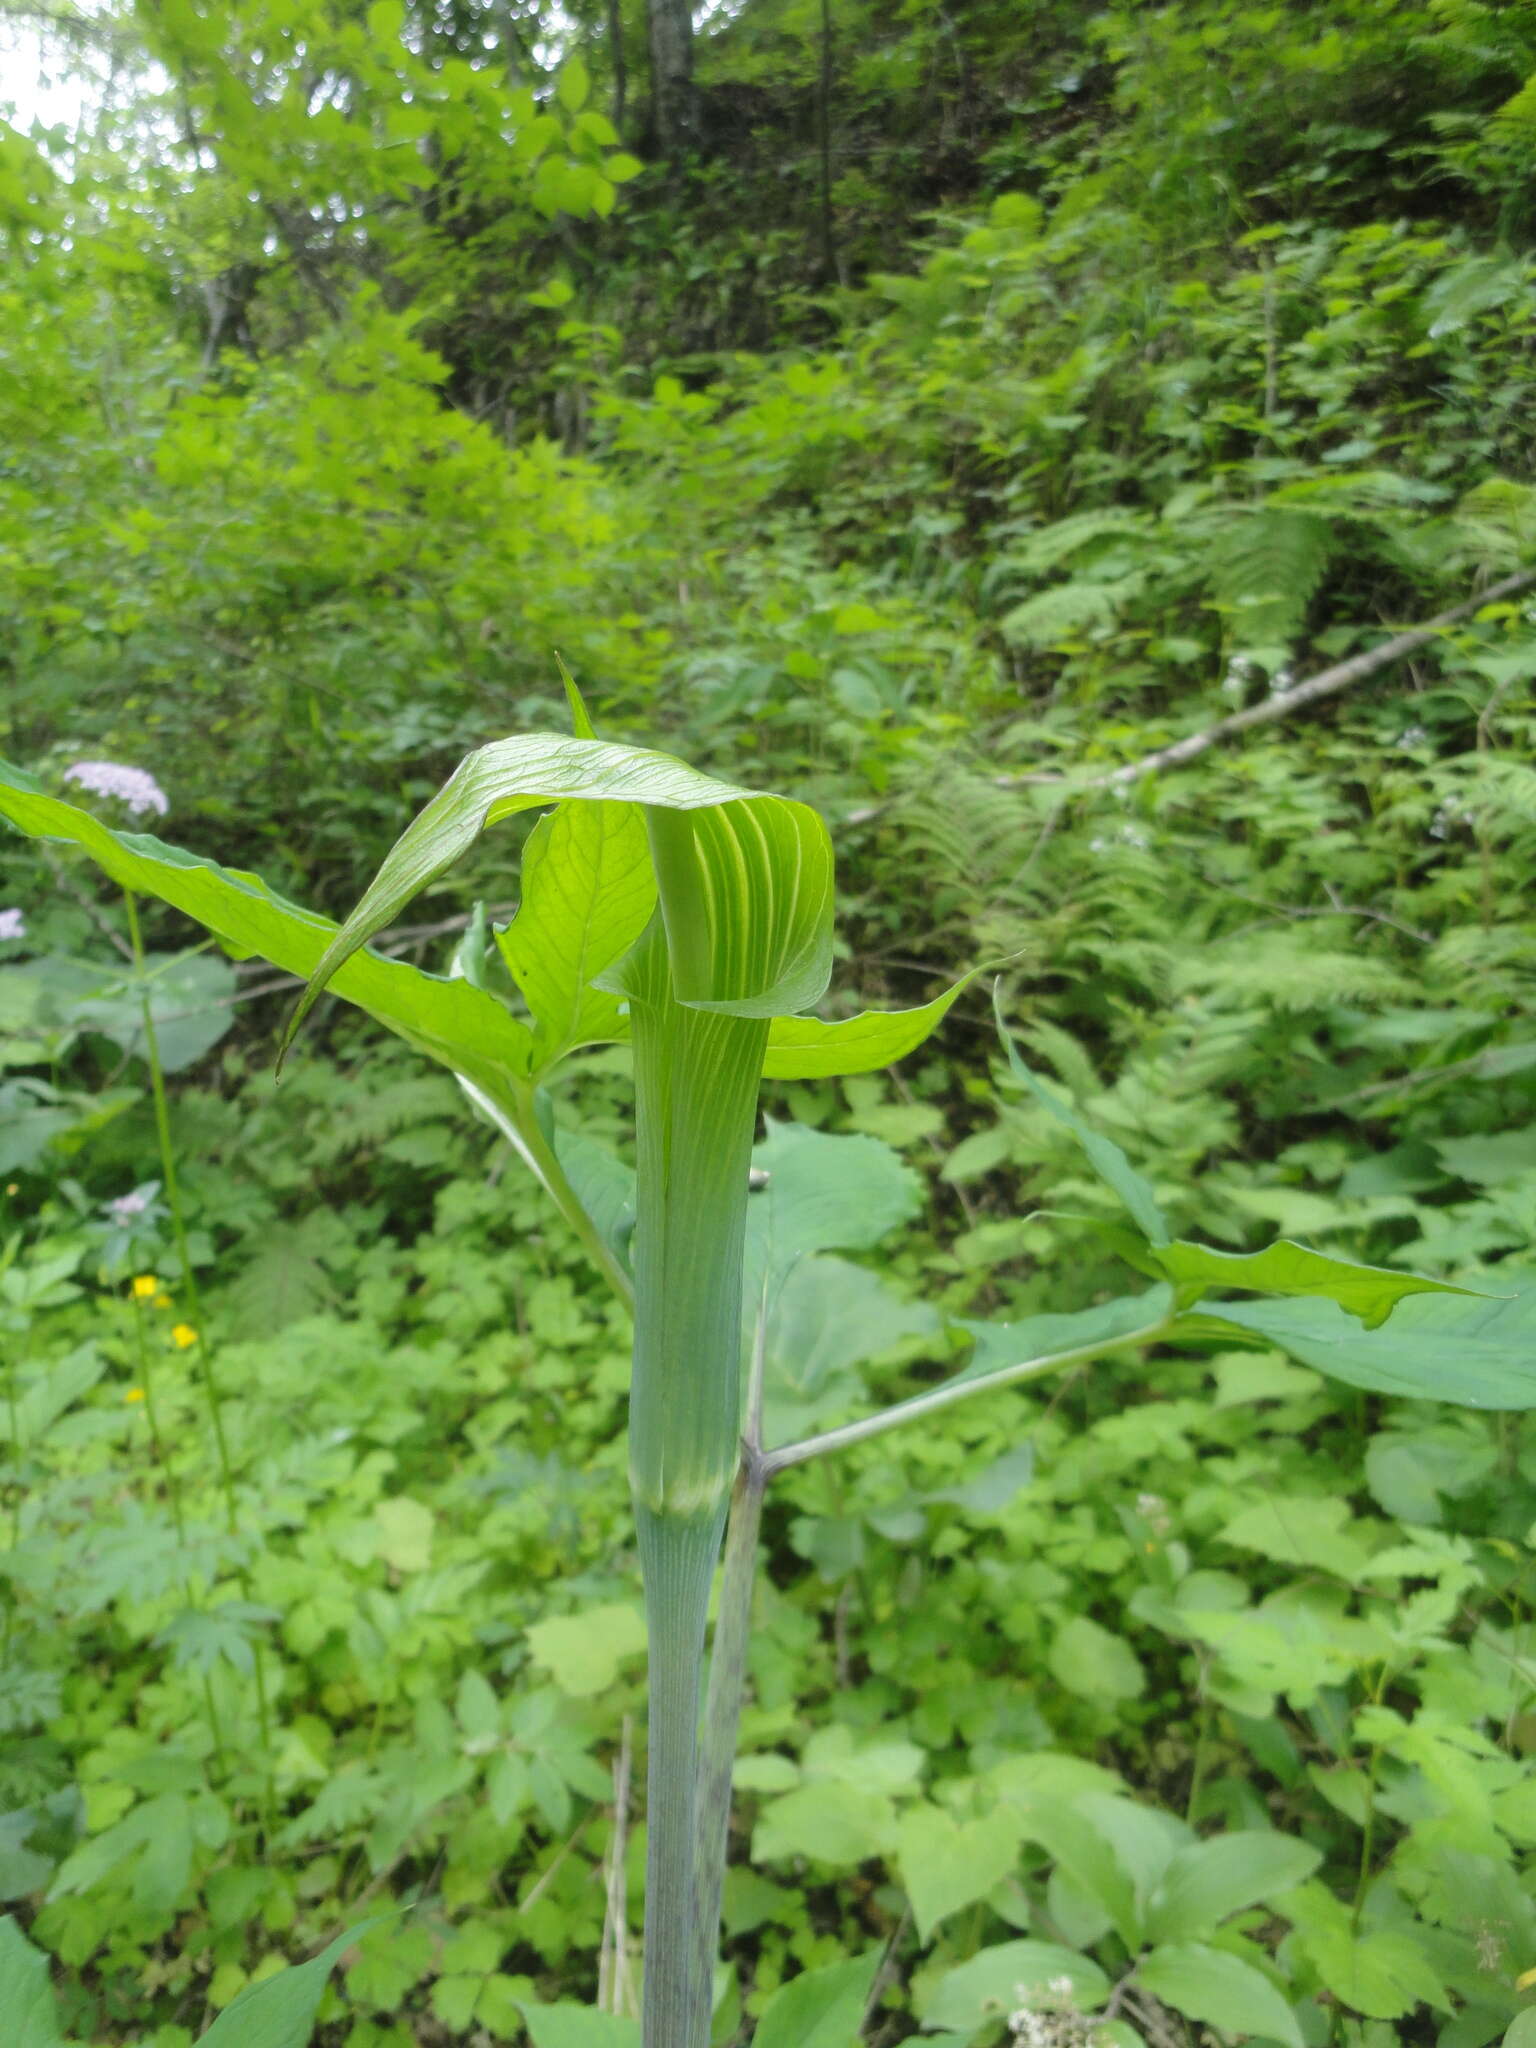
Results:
1290 972
1266 566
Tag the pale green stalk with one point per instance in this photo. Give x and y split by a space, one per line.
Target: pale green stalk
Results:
193 1299
696 1085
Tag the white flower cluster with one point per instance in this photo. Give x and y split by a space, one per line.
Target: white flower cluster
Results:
1240 672
1410 736
1127 835
125 1208
135 788
1153 1510
12 925
1046 2017
1452 812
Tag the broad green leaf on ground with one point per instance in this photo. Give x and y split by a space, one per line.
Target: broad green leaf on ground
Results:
29 2016
583 1652
1206 1882
578 2026
1476 1353
1383 1973
189 998
588 890
1369 1292
1521 2031
1094 1663
833 1822
1012 1974
819 2008
822 1194
280 2011
947 1864
1105 1156
404 1533
450 1021
805 1049
1221 1989
826 1319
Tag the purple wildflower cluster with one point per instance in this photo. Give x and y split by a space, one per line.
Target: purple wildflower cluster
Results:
12 925
135 788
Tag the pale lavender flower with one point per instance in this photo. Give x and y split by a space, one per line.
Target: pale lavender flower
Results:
12 925
126 1207
135 788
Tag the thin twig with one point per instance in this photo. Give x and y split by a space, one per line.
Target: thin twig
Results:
1326 683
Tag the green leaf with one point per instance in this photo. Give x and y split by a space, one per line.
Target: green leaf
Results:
822 1193
829 1317
450 1021
834 1822
1012 1350
947 1864
588 891
280 2011
1521 2031
1014 1973
29 2016
1383 1974
1094 1663
804 1049
819 2008
1105 1156
404 1538
578 2026
1221 1989
745 880
1369 1292
189 998
573 85
1477 1353
583 1652
1207 1882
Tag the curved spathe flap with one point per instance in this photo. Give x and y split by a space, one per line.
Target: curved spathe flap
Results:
746 893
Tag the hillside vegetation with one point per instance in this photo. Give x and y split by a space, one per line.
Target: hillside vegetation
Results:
974 403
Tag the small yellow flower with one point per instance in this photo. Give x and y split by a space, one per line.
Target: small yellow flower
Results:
162 1301
145 1287
183 1335
134 1394
1525 1980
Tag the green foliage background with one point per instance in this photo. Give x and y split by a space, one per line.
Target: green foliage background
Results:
1122 369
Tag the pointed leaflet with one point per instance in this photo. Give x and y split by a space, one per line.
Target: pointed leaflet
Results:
805 1049
280 2011
27 2002
588 893
1369 1292
1108 1161
448 1020
745 880
1476 1353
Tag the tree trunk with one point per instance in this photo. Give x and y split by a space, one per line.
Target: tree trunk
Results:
670 23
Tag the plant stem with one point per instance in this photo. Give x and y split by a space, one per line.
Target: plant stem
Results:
513 1115
950 1391
193 1298
722 1707
677 1561
696 1084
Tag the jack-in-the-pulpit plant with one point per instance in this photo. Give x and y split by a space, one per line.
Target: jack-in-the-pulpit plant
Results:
693 919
